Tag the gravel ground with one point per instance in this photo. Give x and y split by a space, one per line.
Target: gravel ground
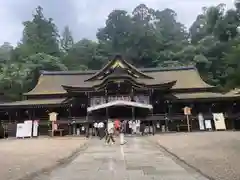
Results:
216 154
21 157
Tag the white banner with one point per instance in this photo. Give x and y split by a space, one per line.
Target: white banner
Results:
35 128
208 124
119 103
201 121
20 130
219 121
28 128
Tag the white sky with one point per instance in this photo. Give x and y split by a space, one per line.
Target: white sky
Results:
85 16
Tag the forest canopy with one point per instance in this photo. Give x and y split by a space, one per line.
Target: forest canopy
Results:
146 37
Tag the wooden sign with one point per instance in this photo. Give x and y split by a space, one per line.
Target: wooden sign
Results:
187 110
53 116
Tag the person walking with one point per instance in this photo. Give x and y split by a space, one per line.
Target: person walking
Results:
137 126
110 131
122 131
134 127
117 126
101 129
95 127
142 128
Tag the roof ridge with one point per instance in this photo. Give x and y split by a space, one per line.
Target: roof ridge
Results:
89 72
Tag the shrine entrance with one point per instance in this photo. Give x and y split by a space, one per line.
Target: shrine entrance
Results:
132 112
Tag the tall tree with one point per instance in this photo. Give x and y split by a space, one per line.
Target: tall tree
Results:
66 39
172 37
5 52
40 35
143 42
83 55
117 31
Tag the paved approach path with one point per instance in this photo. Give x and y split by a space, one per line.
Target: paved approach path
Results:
139 159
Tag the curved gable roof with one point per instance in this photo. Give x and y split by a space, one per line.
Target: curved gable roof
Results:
52 82
118 62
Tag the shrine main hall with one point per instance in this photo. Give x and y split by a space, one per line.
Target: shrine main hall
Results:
155 96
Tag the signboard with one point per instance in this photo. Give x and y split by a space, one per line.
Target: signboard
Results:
101 100
24 129
208 124
35 128
53 116
201 121
187 110
28 128
20 130
219 121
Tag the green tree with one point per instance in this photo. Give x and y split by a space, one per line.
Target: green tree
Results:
84 55
66 40
17 77
40 35
117 31
5 52
233 67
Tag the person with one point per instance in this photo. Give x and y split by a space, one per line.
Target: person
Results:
101 129
142 128
110 131
117 126
130 126
122 131
95 126
83 130
137 126
134 127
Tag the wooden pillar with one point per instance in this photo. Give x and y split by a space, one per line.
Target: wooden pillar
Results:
132 99
233 119
70 122
9 116
168 116
33 114
150 102
87 129
187 113
188 124
106 101
153 123
191 119
133 113
30 117
87 119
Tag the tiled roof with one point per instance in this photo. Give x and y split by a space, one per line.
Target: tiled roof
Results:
52 82
36 102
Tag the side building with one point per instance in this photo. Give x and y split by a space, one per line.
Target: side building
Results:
119 90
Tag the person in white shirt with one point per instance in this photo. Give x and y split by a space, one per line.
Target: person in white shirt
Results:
130 126
137 126
134 127
122 131
110 131
95 126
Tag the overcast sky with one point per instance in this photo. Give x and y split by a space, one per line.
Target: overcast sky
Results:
84 17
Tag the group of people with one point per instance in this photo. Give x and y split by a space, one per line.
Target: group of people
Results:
112 128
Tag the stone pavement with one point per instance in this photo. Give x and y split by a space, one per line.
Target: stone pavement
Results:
139 159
